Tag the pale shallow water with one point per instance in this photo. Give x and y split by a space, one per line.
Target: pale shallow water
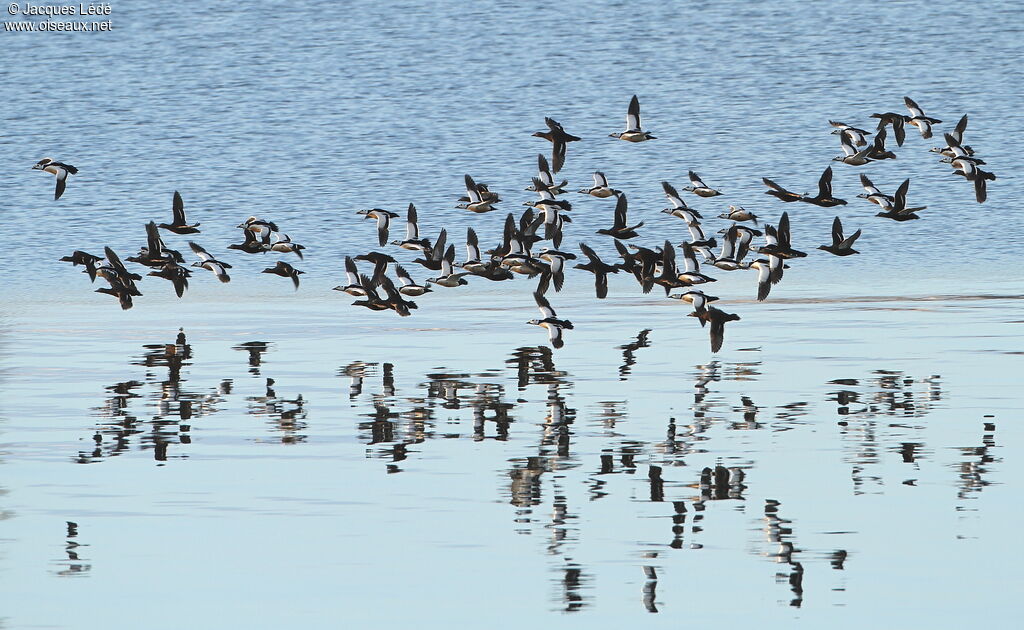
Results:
859 430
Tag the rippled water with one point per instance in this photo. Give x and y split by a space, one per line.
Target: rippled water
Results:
280 458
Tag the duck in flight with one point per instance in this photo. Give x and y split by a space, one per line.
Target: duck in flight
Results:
550 321
285 270
633 132
878 150
841 246
475 198
850 154
155 254
679 208
435 253
355 286
448 277
873 194
619 229
600 189
824 197
779 192
968 167
177 275
383 222
958 135
85 259
409 287
285 245
696 298
853 135
412 233
899 210
740 214
599 268
208 262
547 178
717 318
699 188
918 119
896 121
178 224
558 137
58 169
253 244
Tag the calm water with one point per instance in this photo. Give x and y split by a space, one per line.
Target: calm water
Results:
277 458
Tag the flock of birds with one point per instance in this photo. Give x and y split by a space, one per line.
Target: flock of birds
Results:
544 220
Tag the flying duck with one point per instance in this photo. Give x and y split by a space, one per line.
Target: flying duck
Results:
207 261
393 298
690 275
918 119
475 200
285 270
958 135
619 229
58 169
177 274
547 179
717 319
113 270
641 263
597 267
695 297
897 121
409 287
178 224
259 226
119 290
851 155
781 248
556 264
435 254
878 150
549 320
873 194
155 254
87 260
383 222
763 266
679 208
853 135
373 300
824 197
448 278
412 233
841 246
738 213
699 188
779 192
253 244
558 138
600 189
355 286
633 132
899 210
284 244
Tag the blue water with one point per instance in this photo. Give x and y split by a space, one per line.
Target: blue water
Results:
487 498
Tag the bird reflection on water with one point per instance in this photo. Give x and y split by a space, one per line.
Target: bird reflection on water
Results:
173 406
74 565
555 470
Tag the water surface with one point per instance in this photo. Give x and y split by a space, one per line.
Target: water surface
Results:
278 457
